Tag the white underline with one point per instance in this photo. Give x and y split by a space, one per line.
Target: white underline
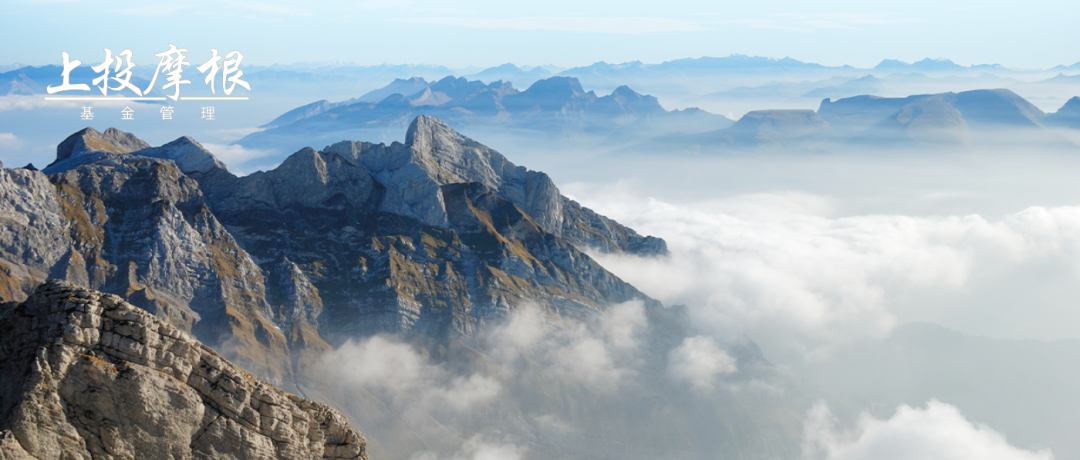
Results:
219 98
119 98
106 98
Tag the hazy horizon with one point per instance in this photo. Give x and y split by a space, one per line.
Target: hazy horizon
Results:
889 280
566 34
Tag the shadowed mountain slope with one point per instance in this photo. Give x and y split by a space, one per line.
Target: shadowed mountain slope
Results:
435 236
439 243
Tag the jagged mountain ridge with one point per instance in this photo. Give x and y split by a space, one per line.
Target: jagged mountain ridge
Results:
690 120
555 109
475 207
434 237
969 119
461 101
29 80
138 227
87 375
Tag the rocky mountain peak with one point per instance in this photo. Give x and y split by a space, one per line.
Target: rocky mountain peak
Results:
1067 116
188 154
998 107
509 66
87 375
425 126
300 113
777 119
451 158
625 91
90 140
283 261
89 145
569 85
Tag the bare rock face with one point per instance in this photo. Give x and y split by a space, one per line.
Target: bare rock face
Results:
436 237
33 232
90 140
89 376
137 226
189 156
434 155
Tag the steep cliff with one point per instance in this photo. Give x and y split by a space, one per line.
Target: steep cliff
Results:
87 375
136 226
434 237
437 235
440 243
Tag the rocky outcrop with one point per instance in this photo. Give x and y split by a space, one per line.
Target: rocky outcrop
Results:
34 237
434 155
89 141
135 225
87 375
435 236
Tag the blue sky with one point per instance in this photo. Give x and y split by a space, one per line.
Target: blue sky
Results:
1033 34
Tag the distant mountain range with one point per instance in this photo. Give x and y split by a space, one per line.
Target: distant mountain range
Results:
980 118
557 108
1067 117
28 81
512 73
676 76
935 65
438 241
1046 90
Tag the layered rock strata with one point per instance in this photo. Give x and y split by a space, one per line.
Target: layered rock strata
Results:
89 376
435 237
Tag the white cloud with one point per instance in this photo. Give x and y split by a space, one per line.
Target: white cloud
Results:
385 4
30 103
9 143
522 331
587 360
623 25
270 8
439 9
233 134
937 432
232 154
387 366
39 102
151 10
622 324
478 448
464 392
698 361
810 23
600 355
776 268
